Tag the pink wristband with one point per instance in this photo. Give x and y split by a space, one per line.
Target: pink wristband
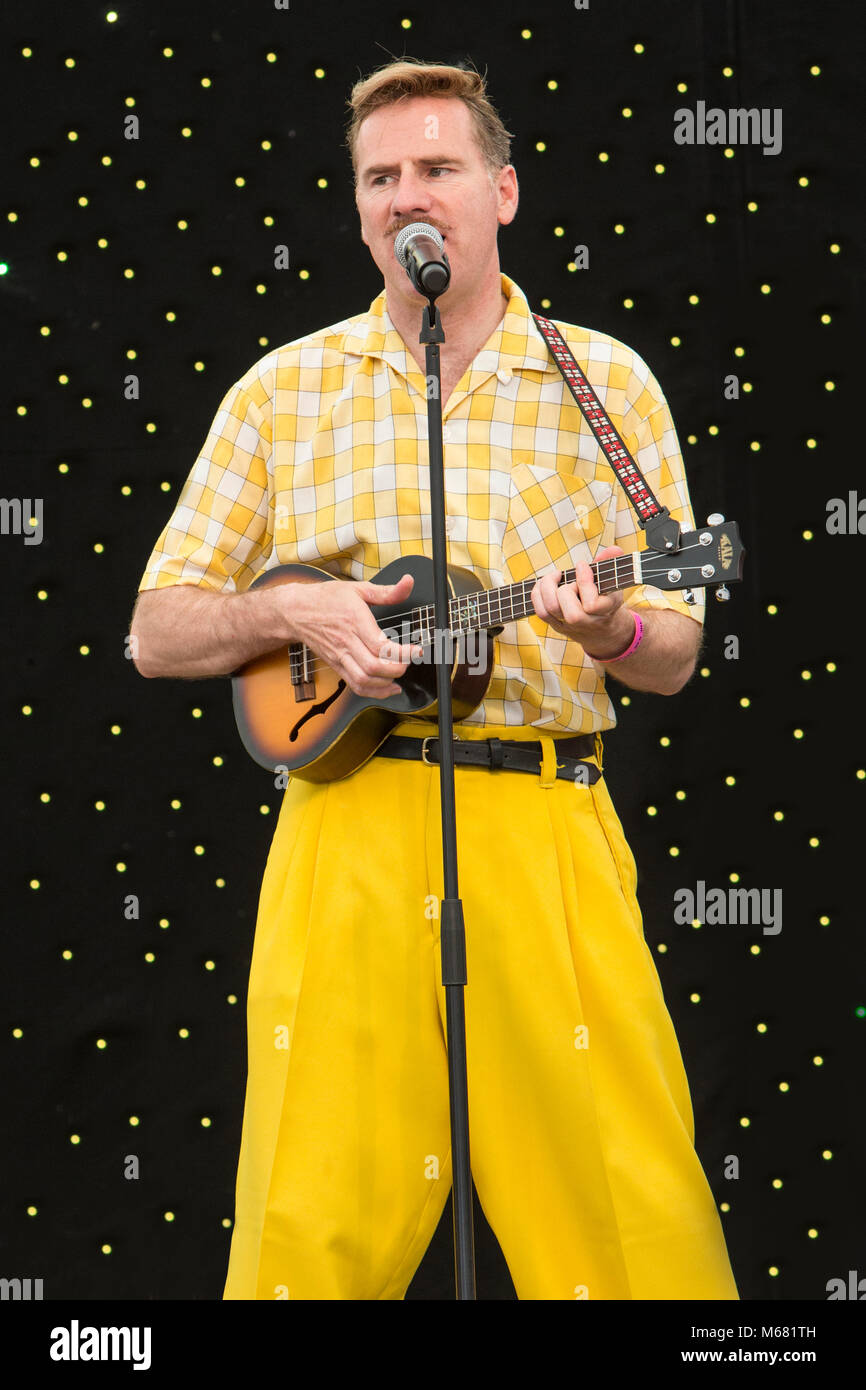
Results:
635 642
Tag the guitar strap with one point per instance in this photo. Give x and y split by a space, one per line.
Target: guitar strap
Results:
662 530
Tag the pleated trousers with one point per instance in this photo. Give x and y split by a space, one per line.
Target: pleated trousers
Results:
580 1118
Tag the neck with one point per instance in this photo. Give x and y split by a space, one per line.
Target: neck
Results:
466 322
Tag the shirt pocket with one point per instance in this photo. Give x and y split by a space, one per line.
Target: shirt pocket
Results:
555 520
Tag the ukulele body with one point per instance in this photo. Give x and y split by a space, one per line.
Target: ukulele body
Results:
317 728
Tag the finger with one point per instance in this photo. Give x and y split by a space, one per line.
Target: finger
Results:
393 644
381 659
594 603
545 595
570 605
392 653
386 593
537 601
362 683
587 587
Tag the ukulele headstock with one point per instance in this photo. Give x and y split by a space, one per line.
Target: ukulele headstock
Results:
709 557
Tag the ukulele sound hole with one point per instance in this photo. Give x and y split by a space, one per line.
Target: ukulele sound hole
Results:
317 709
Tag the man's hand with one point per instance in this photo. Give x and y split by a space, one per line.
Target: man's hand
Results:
580 612
335 621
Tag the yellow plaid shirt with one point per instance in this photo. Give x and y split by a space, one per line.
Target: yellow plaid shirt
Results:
318 455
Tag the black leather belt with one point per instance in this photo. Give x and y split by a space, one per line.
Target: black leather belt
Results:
510 755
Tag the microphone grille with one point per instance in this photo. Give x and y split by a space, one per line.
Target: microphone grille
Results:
415 229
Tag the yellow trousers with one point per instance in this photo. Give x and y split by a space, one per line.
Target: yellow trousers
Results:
580 1120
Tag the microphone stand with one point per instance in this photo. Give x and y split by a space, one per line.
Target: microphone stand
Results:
452 934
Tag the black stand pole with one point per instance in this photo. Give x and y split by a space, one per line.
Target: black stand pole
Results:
452 935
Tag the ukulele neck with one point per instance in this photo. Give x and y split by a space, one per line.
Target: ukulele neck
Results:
494 607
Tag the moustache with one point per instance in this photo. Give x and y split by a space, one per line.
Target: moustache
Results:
408 223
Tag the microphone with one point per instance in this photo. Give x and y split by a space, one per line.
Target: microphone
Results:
420 248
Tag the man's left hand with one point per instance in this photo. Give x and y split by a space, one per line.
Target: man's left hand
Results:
580 612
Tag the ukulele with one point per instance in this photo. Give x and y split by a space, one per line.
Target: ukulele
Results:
295 714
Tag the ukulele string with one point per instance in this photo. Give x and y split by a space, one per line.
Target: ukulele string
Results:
604 569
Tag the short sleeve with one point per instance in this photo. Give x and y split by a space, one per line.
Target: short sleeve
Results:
649 435
219 534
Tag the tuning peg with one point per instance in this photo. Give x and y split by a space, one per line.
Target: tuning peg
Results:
715 519
723 593
689 596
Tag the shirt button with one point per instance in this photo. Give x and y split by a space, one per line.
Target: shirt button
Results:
449 524
446 435
504 376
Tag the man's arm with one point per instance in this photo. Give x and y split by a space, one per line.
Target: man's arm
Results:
186 632
666 656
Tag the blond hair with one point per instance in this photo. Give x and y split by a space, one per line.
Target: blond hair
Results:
409 77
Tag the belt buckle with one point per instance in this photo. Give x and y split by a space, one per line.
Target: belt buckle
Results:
424 742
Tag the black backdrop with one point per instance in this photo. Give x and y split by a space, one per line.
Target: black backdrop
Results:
124 1035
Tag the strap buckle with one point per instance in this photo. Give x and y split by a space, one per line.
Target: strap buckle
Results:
424 742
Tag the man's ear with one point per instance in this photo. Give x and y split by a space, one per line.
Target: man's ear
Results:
508 194
358 210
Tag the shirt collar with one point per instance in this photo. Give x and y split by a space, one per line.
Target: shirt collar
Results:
515 345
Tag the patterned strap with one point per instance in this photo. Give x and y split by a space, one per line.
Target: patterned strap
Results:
663 532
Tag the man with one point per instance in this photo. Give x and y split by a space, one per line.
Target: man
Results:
581 1129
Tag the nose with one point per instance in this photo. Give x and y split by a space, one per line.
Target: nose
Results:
411 194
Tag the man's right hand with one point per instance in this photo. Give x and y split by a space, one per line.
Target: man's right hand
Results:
334 620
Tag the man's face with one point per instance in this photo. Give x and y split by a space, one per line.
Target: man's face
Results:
419 161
